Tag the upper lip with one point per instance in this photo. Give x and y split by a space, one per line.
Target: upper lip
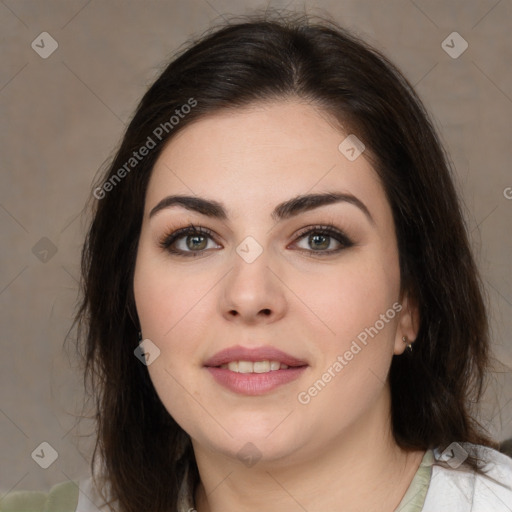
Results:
239 353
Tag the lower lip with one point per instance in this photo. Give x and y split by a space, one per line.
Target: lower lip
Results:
254 384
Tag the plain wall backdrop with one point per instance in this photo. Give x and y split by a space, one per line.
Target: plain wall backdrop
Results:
63 114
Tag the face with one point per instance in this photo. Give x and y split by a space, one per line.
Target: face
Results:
276 325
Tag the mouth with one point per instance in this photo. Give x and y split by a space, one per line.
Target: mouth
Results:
254 367
254 371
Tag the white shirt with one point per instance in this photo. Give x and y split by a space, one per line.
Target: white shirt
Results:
461 490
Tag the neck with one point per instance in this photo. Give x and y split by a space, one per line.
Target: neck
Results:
362 468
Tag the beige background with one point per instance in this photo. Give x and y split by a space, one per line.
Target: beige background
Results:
62 117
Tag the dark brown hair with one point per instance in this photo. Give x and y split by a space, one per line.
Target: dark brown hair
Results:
273 58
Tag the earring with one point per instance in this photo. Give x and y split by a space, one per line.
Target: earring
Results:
140 336
409 345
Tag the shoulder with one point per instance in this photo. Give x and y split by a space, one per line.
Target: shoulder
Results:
62 497
456 487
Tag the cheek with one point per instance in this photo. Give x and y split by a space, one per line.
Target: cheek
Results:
352 297
167 297
360 314
168 305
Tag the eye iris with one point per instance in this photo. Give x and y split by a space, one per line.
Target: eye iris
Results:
195 238
314 239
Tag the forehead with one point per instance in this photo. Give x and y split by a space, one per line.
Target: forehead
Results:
260 155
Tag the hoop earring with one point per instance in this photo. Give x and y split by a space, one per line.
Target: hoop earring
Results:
409 345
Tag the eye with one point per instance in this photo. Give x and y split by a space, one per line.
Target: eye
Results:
195 241
320 238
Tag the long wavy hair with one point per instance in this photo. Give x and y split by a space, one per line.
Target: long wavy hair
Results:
262 58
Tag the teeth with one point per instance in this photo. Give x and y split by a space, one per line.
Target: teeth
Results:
261 366
245 367
256 367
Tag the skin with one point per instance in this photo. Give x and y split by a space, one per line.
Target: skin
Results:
338 448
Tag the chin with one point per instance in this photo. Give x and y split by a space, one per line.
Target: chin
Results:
251 451
252 442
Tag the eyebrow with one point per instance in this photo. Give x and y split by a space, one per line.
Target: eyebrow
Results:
282 211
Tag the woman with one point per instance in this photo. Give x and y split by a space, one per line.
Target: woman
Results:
281 310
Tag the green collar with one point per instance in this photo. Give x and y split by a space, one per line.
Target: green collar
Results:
414 498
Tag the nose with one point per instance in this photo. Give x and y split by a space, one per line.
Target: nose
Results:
253 292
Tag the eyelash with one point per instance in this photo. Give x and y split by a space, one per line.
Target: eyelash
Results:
328 230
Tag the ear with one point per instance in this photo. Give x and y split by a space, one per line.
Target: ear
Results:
408 323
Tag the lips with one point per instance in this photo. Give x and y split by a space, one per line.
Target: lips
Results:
239 353
254 382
